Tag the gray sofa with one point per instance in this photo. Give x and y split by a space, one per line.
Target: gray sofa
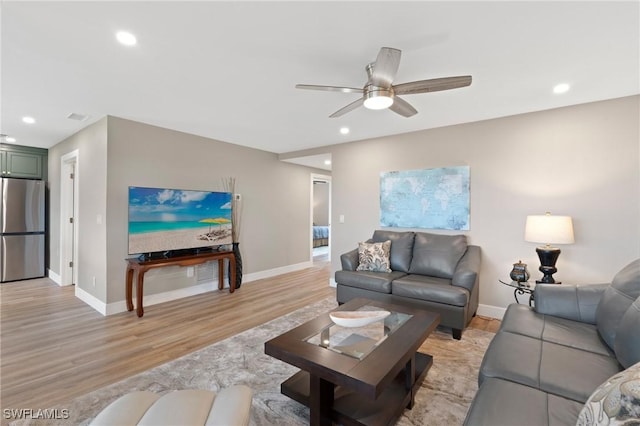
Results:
545 362
435 272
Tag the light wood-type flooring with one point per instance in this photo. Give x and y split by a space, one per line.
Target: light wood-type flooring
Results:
54 347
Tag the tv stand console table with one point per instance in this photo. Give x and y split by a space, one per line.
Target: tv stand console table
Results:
143 265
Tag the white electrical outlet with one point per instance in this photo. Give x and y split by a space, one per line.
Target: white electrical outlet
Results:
93 281
237 197
341 218
190 271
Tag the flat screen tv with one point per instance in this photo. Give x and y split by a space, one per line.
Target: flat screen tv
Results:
163 220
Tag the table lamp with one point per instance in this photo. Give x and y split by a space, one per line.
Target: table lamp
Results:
549 230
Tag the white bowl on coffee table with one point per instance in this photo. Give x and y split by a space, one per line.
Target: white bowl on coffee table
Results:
357 318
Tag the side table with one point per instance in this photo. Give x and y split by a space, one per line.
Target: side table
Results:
521 288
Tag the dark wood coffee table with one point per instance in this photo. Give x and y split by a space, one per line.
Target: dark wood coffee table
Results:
357 376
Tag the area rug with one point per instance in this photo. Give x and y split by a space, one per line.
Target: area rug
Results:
443 399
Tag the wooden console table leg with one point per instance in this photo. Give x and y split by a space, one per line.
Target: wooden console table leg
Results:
139 291
129 288
220 274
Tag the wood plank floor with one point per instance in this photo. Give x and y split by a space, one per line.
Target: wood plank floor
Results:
55 348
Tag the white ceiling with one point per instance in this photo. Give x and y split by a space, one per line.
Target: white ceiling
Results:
227 70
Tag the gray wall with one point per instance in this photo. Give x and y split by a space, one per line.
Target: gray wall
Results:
582 161
275 219
91 144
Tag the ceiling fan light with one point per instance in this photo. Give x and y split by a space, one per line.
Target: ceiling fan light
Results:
378 99
378 102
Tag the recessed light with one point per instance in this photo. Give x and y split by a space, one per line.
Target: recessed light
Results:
10 139
28 120
126 38
344 130
327 162
561 88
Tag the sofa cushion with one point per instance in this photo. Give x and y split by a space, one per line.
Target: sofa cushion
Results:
522 319
503 403
627 344
128 409
438 290
616 401
624 289
230 406
437 255
188 407
374 281
561 370
401 247
374 257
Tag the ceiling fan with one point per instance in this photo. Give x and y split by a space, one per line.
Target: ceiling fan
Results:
379 92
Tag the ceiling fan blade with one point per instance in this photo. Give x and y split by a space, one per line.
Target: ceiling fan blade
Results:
402 107
342 111
433 85
329 88
385 67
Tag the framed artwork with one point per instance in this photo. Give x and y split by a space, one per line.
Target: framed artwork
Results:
426 198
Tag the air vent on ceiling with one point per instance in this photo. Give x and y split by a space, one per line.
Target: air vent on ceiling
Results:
77 117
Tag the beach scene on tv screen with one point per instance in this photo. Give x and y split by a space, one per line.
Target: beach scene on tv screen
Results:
171 219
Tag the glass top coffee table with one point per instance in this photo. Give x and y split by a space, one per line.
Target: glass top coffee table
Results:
359 341
357 375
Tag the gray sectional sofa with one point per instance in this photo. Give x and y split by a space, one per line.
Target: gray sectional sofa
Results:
546 362
435 272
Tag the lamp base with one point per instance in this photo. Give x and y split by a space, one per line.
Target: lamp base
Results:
548 257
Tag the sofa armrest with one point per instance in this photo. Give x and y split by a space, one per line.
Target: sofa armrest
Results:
349 260
574 302
468 269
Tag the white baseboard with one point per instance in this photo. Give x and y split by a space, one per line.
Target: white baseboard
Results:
333 283
91 300
491 311
54 277
167 296
276 271
153 299
120 306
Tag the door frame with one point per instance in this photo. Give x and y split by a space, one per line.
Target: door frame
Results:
69 235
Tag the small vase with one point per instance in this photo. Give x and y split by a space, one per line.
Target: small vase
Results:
238 256
519 272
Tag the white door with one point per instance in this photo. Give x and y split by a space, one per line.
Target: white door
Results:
68 221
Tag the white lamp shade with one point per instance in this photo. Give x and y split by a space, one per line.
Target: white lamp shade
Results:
549 229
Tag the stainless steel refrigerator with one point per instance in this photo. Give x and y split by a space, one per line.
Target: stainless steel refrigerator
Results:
22 229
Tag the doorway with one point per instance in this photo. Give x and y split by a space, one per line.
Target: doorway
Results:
320 218
69 218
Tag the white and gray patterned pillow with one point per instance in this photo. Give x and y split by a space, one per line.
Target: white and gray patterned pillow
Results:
615 402
374 257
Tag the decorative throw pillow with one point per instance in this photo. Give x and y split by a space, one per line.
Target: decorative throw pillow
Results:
374 257
615 402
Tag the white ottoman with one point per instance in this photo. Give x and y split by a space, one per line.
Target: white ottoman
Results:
229 407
